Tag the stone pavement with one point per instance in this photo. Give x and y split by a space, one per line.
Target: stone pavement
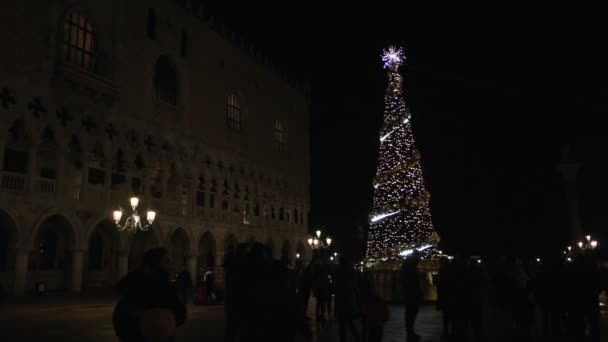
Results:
87 318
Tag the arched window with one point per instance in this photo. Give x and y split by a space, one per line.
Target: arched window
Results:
279 136
165 80
96 246
79 41
233 113
48 250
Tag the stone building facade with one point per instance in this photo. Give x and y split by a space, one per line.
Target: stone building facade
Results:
103 100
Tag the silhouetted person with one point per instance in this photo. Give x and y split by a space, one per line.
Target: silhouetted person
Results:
304 291
445 298
476 289
282 304
549 292
149 309
233 264
584 287
321 291
517 280
374 313
253 295
412 294
183 283
347 301
305 287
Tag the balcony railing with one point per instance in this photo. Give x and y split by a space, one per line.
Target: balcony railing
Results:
72 192
46 186
13 182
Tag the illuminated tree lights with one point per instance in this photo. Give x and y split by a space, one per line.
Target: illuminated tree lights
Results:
401 219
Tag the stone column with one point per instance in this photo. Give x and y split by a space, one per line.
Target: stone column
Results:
32 168
60 189
2 146
77 269
84 177
219 269
164 187
178 190
192 268
107 181
21 261
123 264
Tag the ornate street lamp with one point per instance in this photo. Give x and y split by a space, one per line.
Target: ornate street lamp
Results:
587 244
317 243
133 222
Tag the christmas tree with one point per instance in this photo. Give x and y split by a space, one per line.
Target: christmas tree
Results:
400 221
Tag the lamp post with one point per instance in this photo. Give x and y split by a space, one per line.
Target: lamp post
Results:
316 242
588 244
133 222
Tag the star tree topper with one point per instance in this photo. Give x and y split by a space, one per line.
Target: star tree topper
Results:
393 57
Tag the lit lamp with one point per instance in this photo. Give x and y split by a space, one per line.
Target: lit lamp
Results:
134 202
580 244
593 244
297 255
133 222
316 242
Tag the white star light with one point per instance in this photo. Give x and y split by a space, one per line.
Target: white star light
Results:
410 251
381 216
386 136
393 57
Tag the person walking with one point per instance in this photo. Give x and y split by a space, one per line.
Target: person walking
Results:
347 300
412 294
148 309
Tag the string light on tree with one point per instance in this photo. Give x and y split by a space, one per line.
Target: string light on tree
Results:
400 221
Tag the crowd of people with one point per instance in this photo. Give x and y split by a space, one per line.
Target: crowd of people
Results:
267 299
554 299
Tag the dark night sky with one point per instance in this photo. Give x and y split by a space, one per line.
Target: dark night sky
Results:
495 91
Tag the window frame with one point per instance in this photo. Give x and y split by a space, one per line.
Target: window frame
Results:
234 112
79 41
279 136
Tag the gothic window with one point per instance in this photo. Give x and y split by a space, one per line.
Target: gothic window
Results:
233 114
295 216
212 192
279 136
200 192
165 80
256 209
79 41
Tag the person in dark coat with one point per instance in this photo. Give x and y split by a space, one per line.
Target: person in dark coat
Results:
445 296
148 309
412 294
347 300
183 283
